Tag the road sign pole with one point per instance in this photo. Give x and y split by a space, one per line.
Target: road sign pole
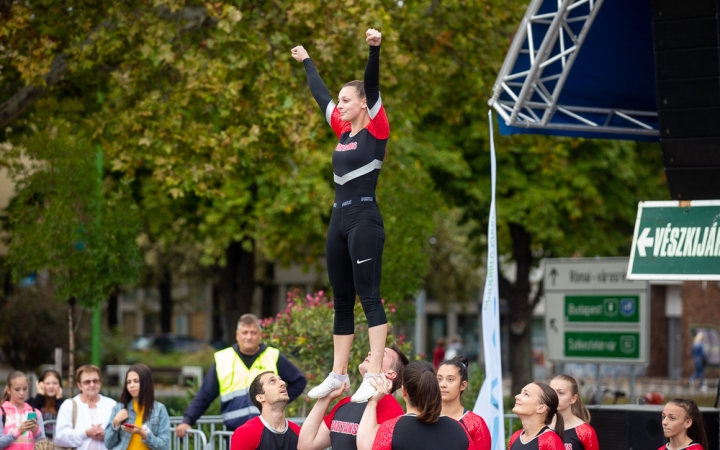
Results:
632 385
598 388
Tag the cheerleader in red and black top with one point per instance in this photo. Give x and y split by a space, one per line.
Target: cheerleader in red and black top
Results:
423 426
452 377
683 425
270 430
536 406
579 435
356 235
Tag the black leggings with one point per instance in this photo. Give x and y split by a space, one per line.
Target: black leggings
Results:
354 248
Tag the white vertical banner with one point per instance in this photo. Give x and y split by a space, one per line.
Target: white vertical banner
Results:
489 404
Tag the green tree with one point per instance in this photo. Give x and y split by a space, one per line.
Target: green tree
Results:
556 196
76 233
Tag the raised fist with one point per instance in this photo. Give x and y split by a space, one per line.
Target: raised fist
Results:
299 53
373 37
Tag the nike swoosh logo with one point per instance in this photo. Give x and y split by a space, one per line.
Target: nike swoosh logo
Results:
364 260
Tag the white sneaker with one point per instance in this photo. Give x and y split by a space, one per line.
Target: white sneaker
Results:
330 383
365 391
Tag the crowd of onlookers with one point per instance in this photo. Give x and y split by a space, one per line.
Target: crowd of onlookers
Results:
88 421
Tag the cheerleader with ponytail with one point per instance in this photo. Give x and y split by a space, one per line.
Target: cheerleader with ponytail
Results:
452 377
537 407
683 426
423 426
579 435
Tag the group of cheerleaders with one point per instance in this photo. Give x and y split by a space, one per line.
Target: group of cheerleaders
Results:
553 416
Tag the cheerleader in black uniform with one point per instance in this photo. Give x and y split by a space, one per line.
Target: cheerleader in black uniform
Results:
683 426
537 406
579 435
356 235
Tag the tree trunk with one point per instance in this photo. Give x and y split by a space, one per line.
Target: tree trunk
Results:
218 327
113 309
246 283
237 285
71 347
269 293
521 308
166 302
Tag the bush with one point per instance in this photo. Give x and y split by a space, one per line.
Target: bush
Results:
304 333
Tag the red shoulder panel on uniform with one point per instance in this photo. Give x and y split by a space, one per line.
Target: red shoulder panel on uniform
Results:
514 438
383 438
380 126
478 430
550 440
247 437
294 427
338 125
388 408
587 436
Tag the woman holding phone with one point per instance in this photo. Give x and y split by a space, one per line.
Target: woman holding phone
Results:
22 424
138 421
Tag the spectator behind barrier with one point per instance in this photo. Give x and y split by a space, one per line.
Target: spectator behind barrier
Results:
234 369
20 430
92 410
138 421
48 399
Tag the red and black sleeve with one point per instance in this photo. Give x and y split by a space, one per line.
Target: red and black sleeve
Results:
248 436
384 436
587 436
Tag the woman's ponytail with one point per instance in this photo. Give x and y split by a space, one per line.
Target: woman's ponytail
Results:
423 391
560 425
550 399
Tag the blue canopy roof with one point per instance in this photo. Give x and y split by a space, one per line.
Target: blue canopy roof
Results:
614 68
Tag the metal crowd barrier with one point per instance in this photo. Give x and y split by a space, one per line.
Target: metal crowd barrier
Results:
217 440
193 440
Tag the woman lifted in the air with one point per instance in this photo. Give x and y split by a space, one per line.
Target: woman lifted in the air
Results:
356 234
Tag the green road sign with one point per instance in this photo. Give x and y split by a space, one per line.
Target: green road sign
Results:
676 241
594 313
602 308
623 345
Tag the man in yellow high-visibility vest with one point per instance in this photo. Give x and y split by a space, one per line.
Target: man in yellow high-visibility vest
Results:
234 369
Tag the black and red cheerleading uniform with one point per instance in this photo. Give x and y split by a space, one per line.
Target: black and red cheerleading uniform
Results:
344 419
478 430
255 434
581 437
546 439
408 433
356 235
693 446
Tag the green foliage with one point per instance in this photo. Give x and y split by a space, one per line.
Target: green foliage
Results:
455 276
476 376
303 332
31 328
203 358
63 223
